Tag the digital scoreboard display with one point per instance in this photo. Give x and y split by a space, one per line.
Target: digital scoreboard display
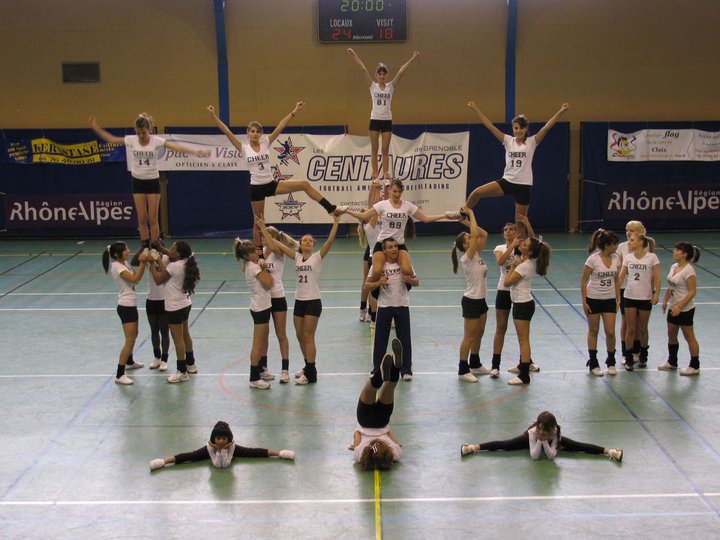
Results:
343 21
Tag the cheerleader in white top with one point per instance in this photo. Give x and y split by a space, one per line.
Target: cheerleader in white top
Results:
257 154
600 297
143 150
368 232
642 292
395 213
682 287
259 282
180 277
622 250
542 437
308 305
381 93
115 261
517 179
374 445
474 303
534 258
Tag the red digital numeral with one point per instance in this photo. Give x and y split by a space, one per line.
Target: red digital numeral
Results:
386 33
341 34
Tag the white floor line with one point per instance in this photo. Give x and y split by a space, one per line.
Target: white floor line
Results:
271 502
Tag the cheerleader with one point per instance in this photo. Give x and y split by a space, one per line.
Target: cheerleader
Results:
259 282
125 279
220 450
381 93
542 437
642 292
275 264
534 258
368 232
308 305
474 304
393 307
517 179
622 250
257 155
144 148
600 296
180 276
682 287
374 445
394 214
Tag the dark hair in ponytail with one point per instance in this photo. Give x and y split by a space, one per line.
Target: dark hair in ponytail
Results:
192 272
458 245
602 239
541 251
112 251
692 253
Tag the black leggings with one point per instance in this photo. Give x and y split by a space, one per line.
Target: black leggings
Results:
159 332
522 442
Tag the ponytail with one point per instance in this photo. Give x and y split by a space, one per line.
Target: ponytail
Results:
242 249
192 272
457 245
540 251
362 238
602 239
112 251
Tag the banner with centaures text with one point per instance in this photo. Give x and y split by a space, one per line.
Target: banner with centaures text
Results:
663 145
433 168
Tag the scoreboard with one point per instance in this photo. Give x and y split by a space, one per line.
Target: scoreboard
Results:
353 21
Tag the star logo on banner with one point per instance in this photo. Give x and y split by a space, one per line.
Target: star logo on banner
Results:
288 152
278 176
290 207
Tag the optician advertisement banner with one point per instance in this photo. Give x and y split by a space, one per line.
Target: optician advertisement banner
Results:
663 145
433 168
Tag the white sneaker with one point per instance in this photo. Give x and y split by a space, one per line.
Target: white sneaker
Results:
267 376
284 376
453 215
262 385
482 370
155 363
468 377
612 370
690 371
300 373
178 377
302 380
363 315
163 366
287 454
467 449
341 208
124 380
494 373
135 365
407 377
597 372
514 370
616 454
372 323
192 370
516 381
368 317
667 366
534 368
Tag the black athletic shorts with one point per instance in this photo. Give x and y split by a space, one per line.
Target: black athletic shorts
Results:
502 300
521 192
147 187
278 305
622 301
609 305
258 192
523 311
380 125
378 247
684 319
375 415
128 314
641 305
179 316
261 317
473 308
312 308
155 307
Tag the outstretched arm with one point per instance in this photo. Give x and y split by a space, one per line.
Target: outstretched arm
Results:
331 237
362 216
359 62
499 135
187 150
478 237
528 228
402 69
103 134
226 130
550 123
270 242
285 121
421 216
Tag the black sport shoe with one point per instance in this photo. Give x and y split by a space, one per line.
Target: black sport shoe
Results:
397 352
386 367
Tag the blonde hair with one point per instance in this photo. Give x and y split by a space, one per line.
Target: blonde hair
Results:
636 227
145 121
283 238
255 124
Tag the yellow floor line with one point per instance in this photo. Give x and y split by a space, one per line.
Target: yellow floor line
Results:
378 509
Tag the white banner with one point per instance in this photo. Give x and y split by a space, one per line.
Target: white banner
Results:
433 168
663 145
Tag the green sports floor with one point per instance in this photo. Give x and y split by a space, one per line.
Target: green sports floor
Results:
76 446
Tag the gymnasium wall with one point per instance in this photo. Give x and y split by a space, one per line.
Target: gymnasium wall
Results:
639 60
